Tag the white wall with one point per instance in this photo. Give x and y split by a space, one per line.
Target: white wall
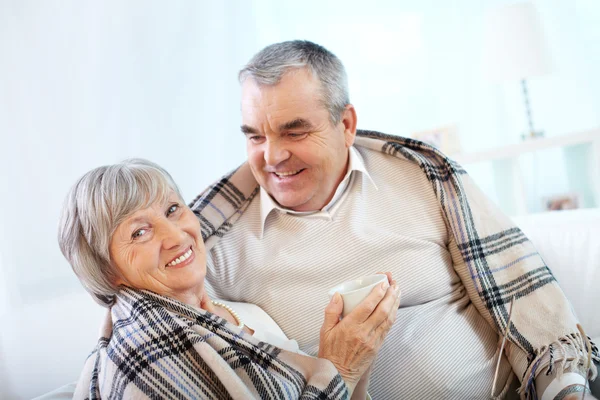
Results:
417 65
85 83
3 311
3 288
44 345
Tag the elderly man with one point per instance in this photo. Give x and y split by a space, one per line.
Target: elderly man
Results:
318 203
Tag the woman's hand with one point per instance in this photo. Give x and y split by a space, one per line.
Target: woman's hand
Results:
352 343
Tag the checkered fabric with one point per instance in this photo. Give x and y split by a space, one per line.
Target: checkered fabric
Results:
156 347
496 262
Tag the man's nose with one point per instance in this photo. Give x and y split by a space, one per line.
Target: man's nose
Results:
172 235
275 153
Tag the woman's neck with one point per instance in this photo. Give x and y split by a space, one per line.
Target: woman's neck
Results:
195 298
199 299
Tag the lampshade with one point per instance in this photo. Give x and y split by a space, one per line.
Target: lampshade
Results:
514 43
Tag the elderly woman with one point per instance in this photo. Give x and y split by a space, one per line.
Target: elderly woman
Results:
138 250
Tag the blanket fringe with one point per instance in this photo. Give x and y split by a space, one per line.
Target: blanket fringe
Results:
569 350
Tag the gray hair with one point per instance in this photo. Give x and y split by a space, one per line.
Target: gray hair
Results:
95 206
269 65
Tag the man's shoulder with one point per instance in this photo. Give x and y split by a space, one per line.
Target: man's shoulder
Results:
248 219
378 162
232 190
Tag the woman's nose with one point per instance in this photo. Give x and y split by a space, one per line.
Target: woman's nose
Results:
172 235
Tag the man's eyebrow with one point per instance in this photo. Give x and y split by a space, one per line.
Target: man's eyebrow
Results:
295 124
248 130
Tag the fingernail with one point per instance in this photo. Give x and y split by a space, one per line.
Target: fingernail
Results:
383 285
396 289
336 298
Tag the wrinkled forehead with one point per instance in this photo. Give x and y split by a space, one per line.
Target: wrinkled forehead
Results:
148 207
296 96
142 194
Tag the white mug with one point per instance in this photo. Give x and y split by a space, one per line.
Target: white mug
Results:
355 291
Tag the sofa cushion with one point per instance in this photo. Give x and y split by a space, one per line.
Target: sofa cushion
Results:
569 243
65 392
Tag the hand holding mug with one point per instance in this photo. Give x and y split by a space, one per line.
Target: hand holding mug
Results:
352 343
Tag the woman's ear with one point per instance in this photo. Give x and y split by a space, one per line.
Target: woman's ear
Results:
115 277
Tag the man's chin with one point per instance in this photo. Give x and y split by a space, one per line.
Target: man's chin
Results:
292 203
300 205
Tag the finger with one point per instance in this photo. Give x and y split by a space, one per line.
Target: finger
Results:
394 311
385 314
362 312
333 311
388 274
380 332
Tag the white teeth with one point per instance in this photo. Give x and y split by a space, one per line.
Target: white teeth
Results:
180 259
287 173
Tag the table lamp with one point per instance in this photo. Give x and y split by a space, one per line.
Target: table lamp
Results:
515 49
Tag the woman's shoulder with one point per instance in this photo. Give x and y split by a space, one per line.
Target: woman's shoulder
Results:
254 316
265 328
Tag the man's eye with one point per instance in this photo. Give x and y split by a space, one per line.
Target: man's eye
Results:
172 209
137 234
297 135
256 139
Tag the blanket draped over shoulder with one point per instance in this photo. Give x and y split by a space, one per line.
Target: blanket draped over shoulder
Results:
495 260
156 347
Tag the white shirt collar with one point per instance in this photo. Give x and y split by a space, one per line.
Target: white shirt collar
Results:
355 163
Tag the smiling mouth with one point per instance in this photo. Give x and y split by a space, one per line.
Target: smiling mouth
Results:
286 174
181 258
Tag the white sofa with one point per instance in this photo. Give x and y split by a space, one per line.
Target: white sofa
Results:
569 242
29 366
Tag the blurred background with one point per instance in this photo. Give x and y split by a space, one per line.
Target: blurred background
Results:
86 83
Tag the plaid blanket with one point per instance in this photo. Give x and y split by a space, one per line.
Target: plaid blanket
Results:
496 261
156 347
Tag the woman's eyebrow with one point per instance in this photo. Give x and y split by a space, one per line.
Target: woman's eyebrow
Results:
135 220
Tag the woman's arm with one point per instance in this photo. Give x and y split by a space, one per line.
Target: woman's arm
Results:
360 392
352 343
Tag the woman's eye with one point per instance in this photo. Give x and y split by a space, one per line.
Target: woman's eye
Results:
172 209
139 233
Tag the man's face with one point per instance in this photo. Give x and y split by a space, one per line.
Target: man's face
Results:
296 154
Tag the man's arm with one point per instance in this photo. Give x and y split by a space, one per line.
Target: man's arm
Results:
517 356
497 263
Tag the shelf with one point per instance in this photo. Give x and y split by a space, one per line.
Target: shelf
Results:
529 146
581 152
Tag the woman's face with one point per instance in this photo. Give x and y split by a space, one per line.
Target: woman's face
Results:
160 249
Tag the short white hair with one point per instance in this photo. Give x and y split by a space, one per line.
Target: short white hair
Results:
95 206
269 65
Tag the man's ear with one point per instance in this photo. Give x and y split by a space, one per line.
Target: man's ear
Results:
349 121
